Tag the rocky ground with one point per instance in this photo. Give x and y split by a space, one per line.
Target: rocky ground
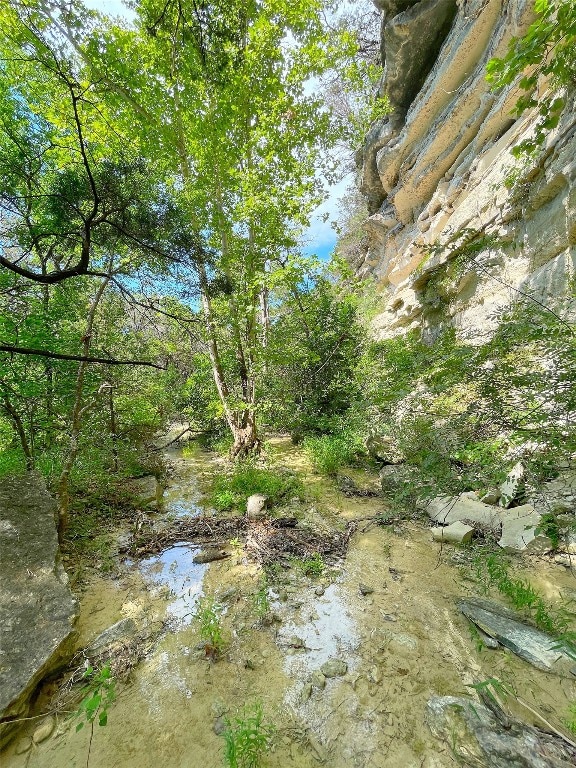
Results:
362 662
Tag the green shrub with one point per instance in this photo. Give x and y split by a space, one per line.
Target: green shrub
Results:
231 491
329 453
311 566
247 738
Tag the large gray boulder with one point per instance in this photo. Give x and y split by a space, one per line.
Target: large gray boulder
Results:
532 645
37 608
480 740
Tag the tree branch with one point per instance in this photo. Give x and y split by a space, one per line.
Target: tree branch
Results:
81 358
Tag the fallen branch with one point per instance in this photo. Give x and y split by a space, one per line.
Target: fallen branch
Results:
12 349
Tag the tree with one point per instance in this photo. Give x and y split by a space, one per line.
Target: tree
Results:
72 187
223 99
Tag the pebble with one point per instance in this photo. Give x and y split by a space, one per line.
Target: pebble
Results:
249 664
334 668
306 692
365 589
374 675
219 725
44 731
318 680
218 708
319 591
23 745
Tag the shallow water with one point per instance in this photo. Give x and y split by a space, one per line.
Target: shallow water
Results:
402 643
174 574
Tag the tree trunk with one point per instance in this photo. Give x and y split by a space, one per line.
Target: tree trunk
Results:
246 440
78 410
19 427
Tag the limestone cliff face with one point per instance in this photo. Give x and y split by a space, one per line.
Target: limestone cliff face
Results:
441 164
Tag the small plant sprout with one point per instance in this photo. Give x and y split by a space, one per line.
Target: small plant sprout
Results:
247 738
99 692
236 545
209 616
261 599
313 566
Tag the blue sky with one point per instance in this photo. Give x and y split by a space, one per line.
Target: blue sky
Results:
320 238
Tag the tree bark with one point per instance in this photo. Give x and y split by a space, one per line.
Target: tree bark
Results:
78 411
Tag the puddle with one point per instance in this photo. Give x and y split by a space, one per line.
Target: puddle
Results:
183 496
173 572
326 629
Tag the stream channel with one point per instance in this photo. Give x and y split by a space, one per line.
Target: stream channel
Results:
403 643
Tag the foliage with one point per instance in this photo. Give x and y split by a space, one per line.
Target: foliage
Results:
261 598
493 570
247 738
231 491
461 414
314 344
571 719
547 50
209 618
329 453
313 566
99 693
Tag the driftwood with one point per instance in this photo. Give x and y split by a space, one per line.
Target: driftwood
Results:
265 541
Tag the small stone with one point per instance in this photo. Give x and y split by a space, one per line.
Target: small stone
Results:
256 506
306 692
456 533
491 497
568 561
44 731
218 708
318 680
296 642
365 589
227 594
23 745
334 668
249 664
389 617
219 725
319 591
374 675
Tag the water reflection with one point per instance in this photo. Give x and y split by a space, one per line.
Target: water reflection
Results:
174 571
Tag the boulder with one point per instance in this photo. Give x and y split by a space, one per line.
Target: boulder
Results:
37 608
519 531
467 506
256 506
479 739
456 533
530 644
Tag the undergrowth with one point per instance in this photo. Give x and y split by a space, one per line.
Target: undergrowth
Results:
493 571
329 453
231 491
247 738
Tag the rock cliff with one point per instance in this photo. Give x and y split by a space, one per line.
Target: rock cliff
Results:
439 170
37 608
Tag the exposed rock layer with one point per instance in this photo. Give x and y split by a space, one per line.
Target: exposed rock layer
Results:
441 163
37 609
